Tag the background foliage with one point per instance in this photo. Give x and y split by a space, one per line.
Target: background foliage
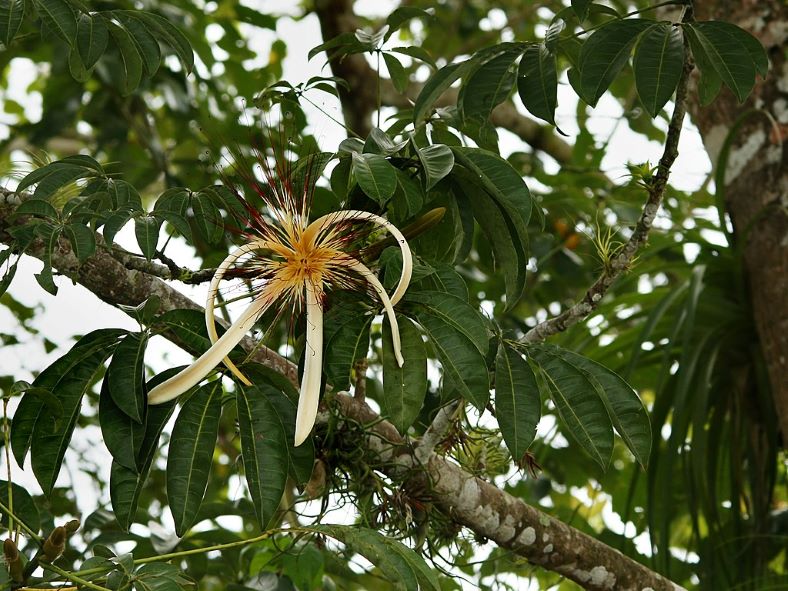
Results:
128 112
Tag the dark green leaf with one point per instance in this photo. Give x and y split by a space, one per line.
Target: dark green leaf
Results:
146 229
59 175
627 412
76 67
418 53
11 14
59 18
92 39
726 54
581 8
404 387
604 55
24 506
578 404
537 82
488 86
82 239
126 484
402 15
131 72
122 435
376 177
346 337
455 312
438 161
169 34
173 206
126 376
397 72
115 222
264 445
659 58
436 85
144 41
380 143
207 217
37 207
125 195
518 406
70 377
191 453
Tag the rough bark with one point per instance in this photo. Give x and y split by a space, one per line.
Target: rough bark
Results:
469 501
756 183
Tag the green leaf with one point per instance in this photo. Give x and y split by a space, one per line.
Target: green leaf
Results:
173 206
82 239
379 142
418 53
376 177
144 41
71 377
207 217
402 15
489 85
122 435
53 177
169 34
126 376
11 14
581 8
398 563
24 506
726 53
659 59
537 82
404 388
59 18
455 312
518 405
115 223
146 229
408 199
436 85
578 403
438 161
191 453
126 484
264 445
463 365
505 221
125 195
92 39
627 412
76 67
397 72
346 338
605 53
37 207
131 72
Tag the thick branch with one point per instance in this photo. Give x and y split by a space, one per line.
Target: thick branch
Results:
623 261
471 502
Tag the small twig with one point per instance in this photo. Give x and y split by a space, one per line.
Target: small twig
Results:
360 368
436 431
72 577
656 192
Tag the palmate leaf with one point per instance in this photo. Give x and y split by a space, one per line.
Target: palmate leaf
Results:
605 53
169 34
730 52
92 39
397 562
578 403
404 388
346 337
70 377
437 84
191 453
59 18
131 62
658 61
518 405
489 84
375 175
146 230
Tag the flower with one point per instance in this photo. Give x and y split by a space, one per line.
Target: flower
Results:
295 261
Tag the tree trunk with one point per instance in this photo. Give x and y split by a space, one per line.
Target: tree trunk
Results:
756 182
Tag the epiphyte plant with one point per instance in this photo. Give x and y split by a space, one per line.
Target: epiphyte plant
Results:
290 263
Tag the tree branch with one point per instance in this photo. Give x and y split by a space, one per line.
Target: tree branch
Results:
469 501
623 261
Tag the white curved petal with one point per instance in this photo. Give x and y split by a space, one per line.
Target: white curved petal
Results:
190 376
365 272
313 366
365 216
213 289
